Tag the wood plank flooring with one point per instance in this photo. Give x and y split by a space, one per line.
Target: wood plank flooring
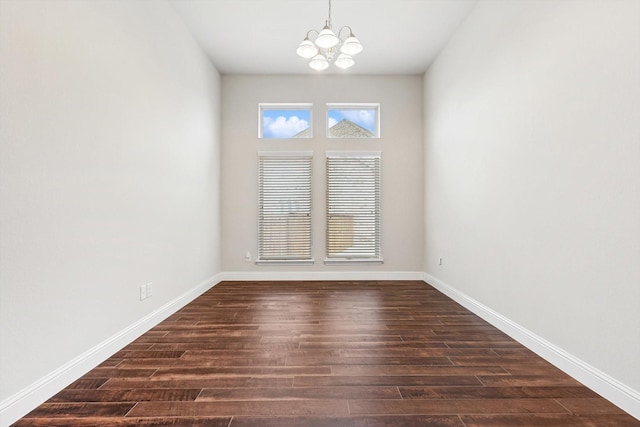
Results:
326 354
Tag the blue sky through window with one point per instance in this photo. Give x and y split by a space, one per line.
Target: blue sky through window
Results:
364 117
284 123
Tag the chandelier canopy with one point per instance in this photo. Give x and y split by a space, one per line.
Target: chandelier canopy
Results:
327 44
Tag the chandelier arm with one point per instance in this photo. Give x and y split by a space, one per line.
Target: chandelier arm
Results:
312 31
340 32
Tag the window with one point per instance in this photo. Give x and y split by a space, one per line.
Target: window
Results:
284 121
353 120
284 205
353 207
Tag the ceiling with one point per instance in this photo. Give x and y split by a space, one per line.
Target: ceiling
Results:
261 36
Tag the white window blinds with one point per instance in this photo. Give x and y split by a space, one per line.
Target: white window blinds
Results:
353 207
284 217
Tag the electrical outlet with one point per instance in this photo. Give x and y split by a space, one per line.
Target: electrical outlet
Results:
247 256
143 292
440 263
149 289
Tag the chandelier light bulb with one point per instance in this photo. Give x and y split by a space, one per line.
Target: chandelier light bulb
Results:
344 61
326 39
307 49
319 63
351 46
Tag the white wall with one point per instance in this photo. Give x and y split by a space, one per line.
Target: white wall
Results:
532 155
400 99
109 175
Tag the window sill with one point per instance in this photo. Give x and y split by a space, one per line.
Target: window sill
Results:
284 262
343 261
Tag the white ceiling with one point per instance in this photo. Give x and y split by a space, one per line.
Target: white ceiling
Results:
261 36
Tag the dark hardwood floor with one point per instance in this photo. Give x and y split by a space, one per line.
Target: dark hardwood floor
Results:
326 354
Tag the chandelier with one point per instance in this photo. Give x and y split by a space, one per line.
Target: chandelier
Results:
327 44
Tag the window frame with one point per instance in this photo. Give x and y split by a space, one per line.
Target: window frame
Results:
264 106
377 257
353 106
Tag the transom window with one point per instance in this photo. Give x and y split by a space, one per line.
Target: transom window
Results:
353 120
284 121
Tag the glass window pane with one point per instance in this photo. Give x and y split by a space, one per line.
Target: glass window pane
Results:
285 121
353 121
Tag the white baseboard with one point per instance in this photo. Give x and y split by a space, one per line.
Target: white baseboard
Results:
27 399
618 393
322 275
